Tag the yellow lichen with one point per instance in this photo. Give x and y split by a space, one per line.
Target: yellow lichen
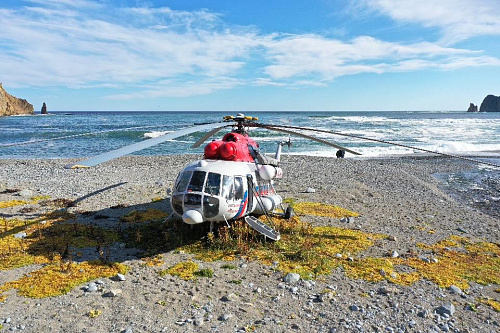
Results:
491 302
60 277
154 261
141 216
185 270
94 313
13 203
320 209
309 251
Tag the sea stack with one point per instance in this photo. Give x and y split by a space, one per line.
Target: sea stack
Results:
472 108
44 108
10 105
490 103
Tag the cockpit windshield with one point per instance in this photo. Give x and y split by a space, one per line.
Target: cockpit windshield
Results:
197 180
183 181
212 185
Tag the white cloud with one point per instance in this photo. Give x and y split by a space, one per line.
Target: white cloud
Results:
164 52
326 59
458 19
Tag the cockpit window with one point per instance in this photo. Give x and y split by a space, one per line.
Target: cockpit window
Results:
227 187
197 180
213 184
183 181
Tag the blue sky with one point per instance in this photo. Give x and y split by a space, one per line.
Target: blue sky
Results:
234 55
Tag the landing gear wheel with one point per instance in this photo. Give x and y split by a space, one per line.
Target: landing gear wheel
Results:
288 213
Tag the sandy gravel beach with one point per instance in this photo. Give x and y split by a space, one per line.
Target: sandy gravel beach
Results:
399 198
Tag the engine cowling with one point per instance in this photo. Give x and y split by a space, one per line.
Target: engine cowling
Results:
212 150
228 151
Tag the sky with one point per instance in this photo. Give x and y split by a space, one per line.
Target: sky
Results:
250 55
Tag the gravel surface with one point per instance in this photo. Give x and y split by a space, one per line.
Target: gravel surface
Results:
392 196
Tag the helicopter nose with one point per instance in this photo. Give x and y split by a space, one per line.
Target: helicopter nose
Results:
192 216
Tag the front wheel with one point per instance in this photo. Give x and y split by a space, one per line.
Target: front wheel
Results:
288 213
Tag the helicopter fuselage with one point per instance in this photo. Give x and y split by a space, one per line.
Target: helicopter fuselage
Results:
227 184
218 190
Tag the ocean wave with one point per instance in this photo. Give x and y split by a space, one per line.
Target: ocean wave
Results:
155 134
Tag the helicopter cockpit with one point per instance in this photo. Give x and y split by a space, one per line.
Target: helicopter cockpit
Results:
202 193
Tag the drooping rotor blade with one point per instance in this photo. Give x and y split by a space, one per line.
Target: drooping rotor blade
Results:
72 136
381 141
139 146
206 136
279 129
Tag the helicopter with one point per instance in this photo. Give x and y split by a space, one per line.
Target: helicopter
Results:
233 180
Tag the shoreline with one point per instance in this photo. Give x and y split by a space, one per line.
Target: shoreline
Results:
397 197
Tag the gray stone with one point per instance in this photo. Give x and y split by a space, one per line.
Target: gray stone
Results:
20 235
128 330
310 190
446 309
292 278
353 308
92 287
120 277
226 316
456 290
228 298
394 254
294 290
424 259
26 193
198 321
113 293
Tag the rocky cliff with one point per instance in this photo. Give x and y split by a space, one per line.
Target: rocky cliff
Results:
490 104
10 105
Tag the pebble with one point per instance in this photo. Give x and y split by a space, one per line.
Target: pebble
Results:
120 277
128 330
228 298
292 278
20 235
26 193
92 287
394 254
113 293
353 308
425 259
310 190
226 316
456 290
294 290
198 321
447 309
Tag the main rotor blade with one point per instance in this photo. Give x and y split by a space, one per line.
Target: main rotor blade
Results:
382 141
139 146
278 129
206 136
72 136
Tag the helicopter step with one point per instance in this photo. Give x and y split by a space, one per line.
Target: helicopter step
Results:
262 228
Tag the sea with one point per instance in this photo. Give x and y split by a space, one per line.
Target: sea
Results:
84 134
